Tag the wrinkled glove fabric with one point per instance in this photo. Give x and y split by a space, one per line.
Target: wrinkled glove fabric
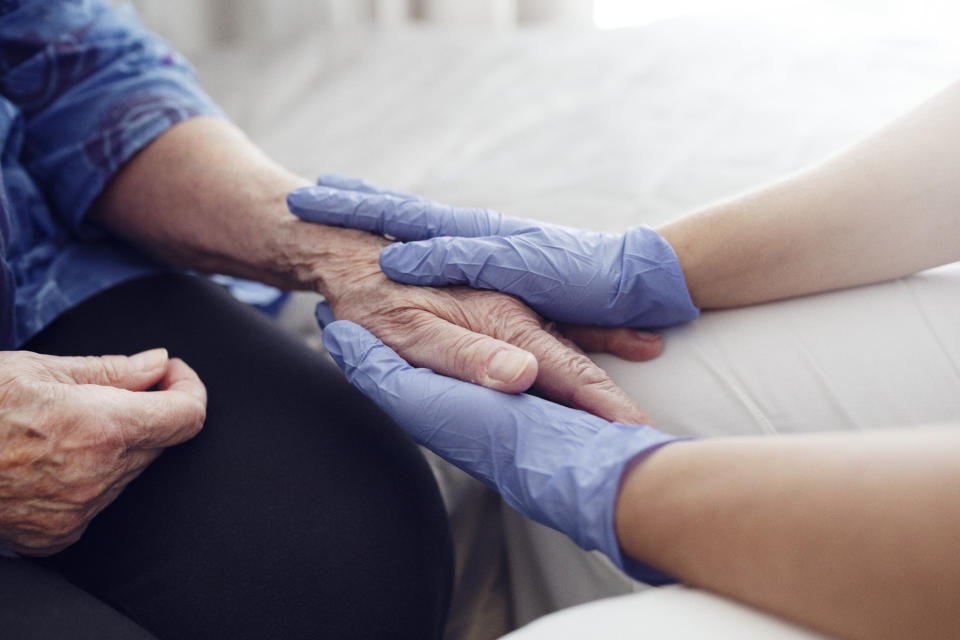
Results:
559 466
631 279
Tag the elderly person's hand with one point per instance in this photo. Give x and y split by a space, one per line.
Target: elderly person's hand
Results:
202 197
76 431
482 337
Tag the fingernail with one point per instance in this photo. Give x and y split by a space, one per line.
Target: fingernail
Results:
646 336
507 366
148 360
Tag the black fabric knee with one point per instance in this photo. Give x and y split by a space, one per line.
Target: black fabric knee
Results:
299 511
38 604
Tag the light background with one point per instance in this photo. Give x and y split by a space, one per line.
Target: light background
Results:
194 25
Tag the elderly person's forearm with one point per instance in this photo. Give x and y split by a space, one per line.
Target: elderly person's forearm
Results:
203 196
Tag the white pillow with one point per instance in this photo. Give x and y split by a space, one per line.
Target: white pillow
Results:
670 613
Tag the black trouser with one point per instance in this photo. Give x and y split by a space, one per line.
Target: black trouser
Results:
300 510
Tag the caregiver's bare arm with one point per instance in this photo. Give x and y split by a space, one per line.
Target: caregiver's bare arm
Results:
856 535
203 196
886 207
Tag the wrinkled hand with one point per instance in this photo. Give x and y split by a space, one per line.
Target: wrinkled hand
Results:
630 279
482 337
559 466
75 431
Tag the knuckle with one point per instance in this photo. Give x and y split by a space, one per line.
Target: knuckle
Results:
26 386
404 316
406 327
516 324
106 436
586 371
30 362
181 425
505 304
585 395
469 356
590 380
110 368
487 311
197 416
13 391
68 370
85 494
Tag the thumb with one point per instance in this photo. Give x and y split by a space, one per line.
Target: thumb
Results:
135 373
156 419
453 351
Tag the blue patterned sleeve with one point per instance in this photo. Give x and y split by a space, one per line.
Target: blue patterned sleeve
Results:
94 87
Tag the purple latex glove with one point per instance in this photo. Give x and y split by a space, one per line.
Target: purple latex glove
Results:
559 466
569 275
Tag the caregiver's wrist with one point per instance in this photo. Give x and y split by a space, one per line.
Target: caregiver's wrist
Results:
683 243
644 515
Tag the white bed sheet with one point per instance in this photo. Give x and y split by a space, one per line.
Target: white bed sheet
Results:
608 130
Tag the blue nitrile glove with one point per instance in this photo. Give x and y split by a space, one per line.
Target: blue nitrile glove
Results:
631 279
558 466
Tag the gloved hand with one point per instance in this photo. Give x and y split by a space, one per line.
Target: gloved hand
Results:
631 279
558 466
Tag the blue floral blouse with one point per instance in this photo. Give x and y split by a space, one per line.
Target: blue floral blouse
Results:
83 87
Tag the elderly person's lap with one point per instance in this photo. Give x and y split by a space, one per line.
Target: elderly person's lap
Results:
298 511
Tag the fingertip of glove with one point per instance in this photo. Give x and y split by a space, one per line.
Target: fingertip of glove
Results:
342 337
392 260
298 198
404 261
390 250
338 181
